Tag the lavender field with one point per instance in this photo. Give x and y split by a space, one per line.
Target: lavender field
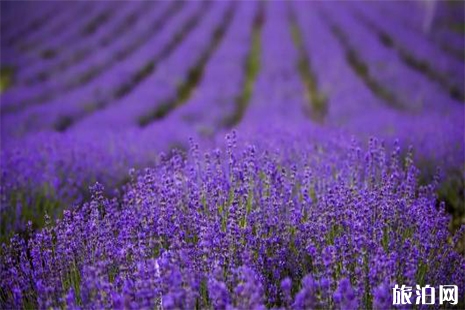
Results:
231 155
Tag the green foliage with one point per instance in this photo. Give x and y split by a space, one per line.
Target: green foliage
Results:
6 78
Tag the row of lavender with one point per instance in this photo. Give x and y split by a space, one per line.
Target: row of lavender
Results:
413 102
60 167
295 216
417 102
312 222
56 115
104 91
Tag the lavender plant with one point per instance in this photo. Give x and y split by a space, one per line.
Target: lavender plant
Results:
268 224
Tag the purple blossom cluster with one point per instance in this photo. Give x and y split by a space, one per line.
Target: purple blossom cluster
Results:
247 226
54 172
325 193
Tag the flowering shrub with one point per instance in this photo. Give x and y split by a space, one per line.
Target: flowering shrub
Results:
245 226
